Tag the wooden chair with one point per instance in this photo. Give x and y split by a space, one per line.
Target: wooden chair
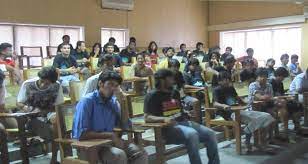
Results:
51 51
31 52
93 64
75 90
30 73
65 114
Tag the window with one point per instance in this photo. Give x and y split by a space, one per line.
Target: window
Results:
267 43
37 35
121 36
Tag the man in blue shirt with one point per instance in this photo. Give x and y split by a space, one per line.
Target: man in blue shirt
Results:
97 114
294 67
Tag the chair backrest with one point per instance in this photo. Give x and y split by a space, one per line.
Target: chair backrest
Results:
47 62
93 63
31 56
75 90
127 72
65 115
30 73
51 51
207 101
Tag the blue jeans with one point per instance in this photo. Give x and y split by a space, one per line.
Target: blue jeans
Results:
65 80
191 134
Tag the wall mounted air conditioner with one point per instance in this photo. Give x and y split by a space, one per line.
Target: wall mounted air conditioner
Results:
118 4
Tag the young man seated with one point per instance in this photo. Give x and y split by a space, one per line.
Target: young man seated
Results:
111 41
66 66
294 67
228 66
190 103
106 64
66 40
163 105
248 74
42 94
83 59
193 74
200 53
117 61
225 96
97 114
249 55
284 59
169 53
296 85
270 63
293 107
129 53
10 62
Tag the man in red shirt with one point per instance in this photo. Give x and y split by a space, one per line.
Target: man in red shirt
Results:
249 56
8 59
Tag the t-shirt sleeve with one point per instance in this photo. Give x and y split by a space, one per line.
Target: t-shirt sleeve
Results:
22 97
150 105
60 97
56 62
82 118
187 79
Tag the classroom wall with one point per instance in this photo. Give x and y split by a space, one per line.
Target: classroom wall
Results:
169 22
231 12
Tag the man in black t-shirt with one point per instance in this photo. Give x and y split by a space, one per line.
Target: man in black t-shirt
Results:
290 107
162 105
225 96
229 63
111 41
67 66
190 103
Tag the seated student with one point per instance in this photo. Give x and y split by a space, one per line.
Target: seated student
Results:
294 67
4 123
67 66
293 108
190 103
199 52
97 114
162 105
249 55
213 63
270 63
151 54
141 70
225 96
91 83
10 62
42 94
128 53
66 40
228 66
228 52
169 52
182 51
117 61
111 41
193 75
83 59
284 58
248 74
96 50
297 83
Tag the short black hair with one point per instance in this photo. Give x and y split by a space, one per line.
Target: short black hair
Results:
281 71
229 59
294 56
170 48
230 48
110 75
223 75
112 39
4 46
183 44
132 39
248 75
105 58
270 60
164 50
173 63
199 44
249 49
284 56
109 44
193 61
262 72
64 44
65 36
48 73
162 74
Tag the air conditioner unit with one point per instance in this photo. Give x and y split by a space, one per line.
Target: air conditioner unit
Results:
118 4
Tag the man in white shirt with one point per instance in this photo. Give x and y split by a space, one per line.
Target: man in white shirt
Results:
42 94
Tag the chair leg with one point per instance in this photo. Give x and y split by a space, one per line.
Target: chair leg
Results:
159 146
237 132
